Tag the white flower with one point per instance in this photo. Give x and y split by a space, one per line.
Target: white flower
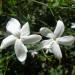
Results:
73 25
33 53
52 44
19 36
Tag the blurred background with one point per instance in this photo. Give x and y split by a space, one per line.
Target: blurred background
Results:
38 13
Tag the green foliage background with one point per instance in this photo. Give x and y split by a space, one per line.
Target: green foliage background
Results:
38 13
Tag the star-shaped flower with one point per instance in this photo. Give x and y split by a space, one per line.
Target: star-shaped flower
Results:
19 36
52 44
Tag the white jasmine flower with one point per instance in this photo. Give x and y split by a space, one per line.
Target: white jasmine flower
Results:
19 36
73 25
52 44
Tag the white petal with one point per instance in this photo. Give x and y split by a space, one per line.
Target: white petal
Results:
33 53
73 25
8 41
66 40
31 39
46 44
46 32
48 50
51 35
20 50
56 50
13 26
25 29
59 29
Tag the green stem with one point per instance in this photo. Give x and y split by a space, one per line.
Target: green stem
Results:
40 3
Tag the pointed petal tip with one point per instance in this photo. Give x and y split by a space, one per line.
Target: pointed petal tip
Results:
45 29
13 26
66 40
20 50
60 22
59 28
27 23
56 50
10 40
12 18
1 47
22 60
25 30
42 28
40 37
59 57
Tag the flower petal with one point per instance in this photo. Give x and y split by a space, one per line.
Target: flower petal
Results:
20 50
48 50
46 44
31 39
59 29
73 25
8 41
56 50
33 53
66 40
25 29
13 26
46 32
